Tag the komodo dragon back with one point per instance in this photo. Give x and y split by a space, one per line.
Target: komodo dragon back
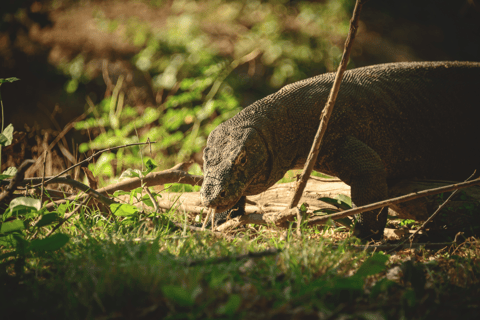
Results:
390 121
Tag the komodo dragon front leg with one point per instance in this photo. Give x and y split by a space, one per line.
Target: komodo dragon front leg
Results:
360 166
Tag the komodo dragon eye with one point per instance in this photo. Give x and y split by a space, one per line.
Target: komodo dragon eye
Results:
242 158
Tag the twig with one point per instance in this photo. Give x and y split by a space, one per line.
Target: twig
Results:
43 176
151 179
385 203
155 204
93 156
327 111
15 182
66 217
432 216
209 212
80 186
250 255
286 215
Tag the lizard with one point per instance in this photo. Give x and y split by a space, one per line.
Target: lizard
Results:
390 121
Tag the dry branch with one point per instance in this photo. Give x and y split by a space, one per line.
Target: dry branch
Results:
278 218
327 111
385 203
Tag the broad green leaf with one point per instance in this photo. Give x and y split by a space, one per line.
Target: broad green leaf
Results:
47 219
231 306
6 136
13 240
179 295
52 243
150 167
131 173
11 226
344 199
373 265
336 202
120 193
123 210
26 202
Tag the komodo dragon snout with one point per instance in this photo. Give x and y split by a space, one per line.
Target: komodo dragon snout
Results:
233 158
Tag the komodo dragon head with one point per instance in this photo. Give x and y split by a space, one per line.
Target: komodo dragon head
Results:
233 158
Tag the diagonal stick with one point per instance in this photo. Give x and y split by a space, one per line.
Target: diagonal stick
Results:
327 111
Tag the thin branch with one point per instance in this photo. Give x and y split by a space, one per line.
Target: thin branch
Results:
94 155
385 203
43 176
432 216
80 186
151 179
327 111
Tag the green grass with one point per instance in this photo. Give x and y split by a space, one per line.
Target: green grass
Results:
110 269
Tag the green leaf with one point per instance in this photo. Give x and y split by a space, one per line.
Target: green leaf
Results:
47 219
24 205
6 137
120 193
14 240
131 173
326 211
345 199
179 295
123 210
9 173
5 80
150 167
52 243
336 202
231 306
373 265
11 226
5 176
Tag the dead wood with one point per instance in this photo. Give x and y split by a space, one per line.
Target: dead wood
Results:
327 110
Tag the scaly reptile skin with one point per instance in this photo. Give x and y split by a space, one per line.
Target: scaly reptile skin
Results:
390 121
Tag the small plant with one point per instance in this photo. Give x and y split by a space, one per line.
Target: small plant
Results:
342 202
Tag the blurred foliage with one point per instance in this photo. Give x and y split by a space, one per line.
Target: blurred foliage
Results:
200 81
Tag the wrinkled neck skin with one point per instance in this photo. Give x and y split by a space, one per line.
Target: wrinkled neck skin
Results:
235 157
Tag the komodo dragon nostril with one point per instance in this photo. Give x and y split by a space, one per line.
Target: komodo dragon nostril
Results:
223 194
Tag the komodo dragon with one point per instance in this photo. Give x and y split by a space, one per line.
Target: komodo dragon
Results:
390 121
